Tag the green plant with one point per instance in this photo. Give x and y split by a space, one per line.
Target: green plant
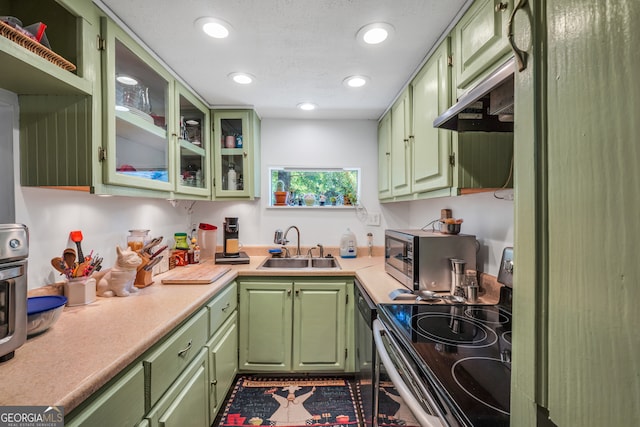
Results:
280 185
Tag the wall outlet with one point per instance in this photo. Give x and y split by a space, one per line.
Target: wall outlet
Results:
373 218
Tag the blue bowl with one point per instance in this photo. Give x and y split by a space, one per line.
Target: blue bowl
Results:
42 312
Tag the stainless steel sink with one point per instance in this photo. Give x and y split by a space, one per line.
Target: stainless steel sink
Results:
300 263
324 263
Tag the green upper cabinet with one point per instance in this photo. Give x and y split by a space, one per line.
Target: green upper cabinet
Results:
69 31
384 157
138 113
400 146
193 145
59 117
430 167
480 40
236 144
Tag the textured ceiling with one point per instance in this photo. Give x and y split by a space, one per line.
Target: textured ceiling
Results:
298 50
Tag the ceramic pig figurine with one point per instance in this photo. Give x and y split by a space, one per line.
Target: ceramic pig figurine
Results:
119 280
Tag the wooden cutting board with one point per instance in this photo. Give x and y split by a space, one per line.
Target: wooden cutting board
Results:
195 274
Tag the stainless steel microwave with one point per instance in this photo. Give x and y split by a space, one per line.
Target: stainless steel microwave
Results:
420 259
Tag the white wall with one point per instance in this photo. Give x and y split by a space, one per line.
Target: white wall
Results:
488 218
307 143
51 215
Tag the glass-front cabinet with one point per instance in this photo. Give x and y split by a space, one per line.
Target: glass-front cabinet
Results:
192 141
236 142
137 102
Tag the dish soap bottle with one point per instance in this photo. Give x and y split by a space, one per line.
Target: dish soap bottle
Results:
348 245
232 178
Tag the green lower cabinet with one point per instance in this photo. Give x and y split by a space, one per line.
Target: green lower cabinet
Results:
186 403
293 325
121 404
265 326
223 363
319 316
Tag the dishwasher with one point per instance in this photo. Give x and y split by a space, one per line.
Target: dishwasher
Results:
365 355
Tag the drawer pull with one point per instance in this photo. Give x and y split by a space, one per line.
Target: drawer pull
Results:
226 307
214 382
184 351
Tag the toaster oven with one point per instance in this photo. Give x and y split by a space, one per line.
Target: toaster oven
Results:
419 259
13 288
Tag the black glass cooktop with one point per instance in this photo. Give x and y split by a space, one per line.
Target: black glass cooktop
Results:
465 351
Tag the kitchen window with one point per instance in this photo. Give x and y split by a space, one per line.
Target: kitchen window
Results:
314 187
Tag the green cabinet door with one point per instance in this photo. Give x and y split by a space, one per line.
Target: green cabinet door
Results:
265 325
121 404
223 363
236 146
481 40
138 112
192 144
190 407
186 402
400 146
384 157
319 316
431 146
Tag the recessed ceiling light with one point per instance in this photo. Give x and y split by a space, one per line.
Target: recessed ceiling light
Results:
242 78
375 33
126 80
213 27
307 106
355 81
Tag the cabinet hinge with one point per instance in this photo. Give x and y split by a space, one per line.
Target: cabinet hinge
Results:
347 302
452 159
450 60
102 154
346 352
101 43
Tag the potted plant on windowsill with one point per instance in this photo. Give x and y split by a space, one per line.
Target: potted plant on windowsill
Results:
280 194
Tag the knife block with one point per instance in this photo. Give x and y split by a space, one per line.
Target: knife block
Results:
143 278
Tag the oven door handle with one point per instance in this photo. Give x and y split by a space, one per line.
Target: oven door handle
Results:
425 419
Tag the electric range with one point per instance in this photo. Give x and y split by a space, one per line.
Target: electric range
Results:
461 354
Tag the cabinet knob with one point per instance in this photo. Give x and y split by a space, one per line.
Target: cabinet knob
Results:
297 292
501 7
244 154
288 292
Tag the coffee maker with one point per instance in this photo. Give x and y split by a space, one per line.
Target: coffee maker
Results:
231 247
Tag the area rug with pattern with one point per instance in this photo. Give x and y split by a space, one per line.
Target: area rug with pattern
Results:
291 402
392 410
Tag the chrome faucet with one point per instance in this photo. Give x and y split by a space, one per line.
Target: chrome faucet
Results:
281 239
321 250
310 252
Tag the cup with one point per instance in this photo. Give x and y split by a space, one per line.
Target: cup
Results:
233 246
230 141
472 294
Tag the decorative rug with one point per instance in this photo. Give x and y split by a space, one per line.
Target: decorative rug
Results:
392 410
291 402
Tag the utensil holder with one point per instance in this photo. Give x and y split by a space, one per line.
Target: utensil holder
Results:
80 291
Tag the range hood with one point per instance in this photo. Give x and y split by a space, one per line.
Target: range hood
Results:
488 107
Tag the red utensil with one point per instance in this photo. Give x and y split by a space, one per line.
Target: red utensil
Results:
76 237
